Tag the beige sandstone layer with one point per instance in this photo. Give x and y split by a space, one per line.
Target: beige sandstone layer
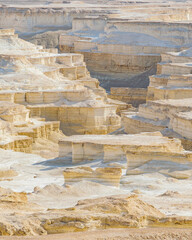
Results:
55 86
136 149
133 96
107 175
168 100
126 234
19 132
115 211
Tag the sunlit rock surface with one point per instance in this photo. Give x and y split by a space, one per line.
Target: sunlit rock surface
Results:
42 81
75 156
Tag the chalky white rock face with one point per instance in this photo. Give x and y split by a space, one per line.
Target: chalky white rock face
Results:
49 174
137 149
54 86
169 103
21 133
123 48
120 40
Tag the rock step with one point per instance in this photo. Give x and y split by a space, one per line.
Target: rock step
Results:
134 124
8 32
171 80
181 123
134 96
74 72
123 147
42 130
40 97
174 68
64 59
18 144
133 49
173 57
107 175
161 110
159 93
80 119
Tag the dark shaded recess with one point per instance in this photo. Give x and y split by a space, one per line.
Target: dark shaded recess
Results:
122 80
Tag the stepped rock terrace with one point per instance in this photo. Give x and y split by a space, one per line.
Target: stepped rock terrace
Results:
95 118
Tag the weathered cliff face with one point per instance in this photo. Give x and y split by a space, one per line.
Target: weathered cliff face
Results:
136 149
123 211
114 56
168 108
133 96
114 46
87 214
21 133
54 86
105 32
29 18
36 19
43 92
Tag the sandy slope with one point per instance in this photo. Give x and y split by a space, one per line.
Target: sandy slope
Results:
118 234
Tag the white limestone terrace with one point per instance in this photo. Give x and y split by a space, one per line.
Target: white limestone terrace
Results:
173 79
65 12
137 149
174 71
169 102
52 85
27 65
15 65
131 42
145 139
183 103
156 115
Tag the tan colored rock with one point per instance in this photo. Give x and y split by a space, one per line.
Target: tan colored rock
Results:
107 175
168 108
117 211
178 174
134 96
136 191
7 174
57 87
10 196
170 194
117 165
136 149
134 171
19 132
80 172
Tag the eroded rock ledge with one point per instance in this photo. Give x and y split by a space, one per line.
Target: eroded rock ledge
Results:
121 211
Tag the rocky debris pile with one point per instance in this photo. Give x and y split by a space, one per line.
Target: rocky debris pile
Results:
109 212
116 211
